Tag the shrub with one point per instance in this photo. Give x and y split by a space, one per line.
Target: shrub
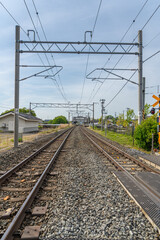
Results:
59 120
143 133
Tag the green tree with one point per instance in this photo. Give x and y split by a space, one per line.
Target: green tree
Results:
130 115
100 120
21 110
143 133
59 119
147 109
120 119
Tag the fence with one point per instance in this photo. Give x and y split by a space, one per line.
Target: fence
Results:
6 140
117 129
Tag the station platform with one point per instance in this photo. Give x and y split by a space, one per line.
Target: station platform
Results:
148 202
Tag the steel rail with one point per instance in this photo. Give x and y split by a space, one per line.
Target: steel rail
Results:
112 160
143 186
126 155
8 235
146 189
18 166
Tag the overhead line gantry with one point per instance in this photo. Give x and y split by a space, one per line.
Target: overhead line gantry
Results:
72 48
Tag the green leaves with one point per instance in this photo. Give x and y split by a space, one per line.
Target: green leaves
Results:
21 110
58 120
143 133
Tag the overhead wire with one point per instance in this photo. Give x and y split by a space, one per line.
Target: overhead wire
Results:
151 56
143 61
20 27
40 40
86 68
13 17
47 40
134 20
129 50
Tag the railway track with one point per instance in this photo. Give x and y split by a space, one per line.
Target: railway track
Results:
34 185
31 179
132 175
120 159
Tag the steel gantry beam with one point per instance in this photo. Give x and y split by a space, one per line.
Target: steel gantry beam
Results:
61 105
70 48
76 47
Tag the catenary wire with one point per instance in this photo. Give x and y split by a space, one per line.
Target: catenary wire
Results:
100 3
21 28
129 50
152 40
47 40
12 17
134 20
143 61
44 53
151 56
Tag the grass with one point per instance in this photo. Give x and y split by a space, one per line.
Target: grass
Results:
122 139
7 140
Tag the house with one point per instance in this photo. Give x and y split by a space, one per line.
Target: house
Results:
27 122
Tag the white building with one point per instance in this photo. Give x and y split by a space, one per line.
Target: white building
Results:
27 122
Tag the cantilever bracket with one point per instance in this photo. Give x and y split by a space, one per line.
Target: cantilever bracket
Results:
106 78
38 74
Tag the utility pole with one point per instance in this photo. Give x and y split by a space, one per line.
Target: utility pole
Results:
102 109
93 115
30 107
16 96
140 74
143 96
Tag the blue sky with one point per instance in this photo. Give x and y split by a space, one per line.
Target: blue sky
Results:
67 20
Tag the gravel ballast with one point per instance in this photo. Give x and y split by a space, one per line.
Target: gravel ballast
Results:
88 202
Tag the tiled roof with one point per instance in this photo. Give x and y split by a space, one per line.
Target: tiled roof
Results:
23 115
29 116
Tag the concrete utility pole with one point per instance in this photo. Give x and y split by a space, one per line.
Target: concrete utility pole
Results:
93 115
140 74
16 97
143 97
102 109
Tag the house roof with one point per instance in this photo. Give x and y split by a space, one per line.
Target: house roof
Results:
25 116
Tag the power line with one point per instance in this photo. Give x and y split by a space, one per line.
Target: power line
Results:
145 24
20 27
47 40
134 20
151 17
152 39
143 61
120 89
40 40
12 17
89 48
151 56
